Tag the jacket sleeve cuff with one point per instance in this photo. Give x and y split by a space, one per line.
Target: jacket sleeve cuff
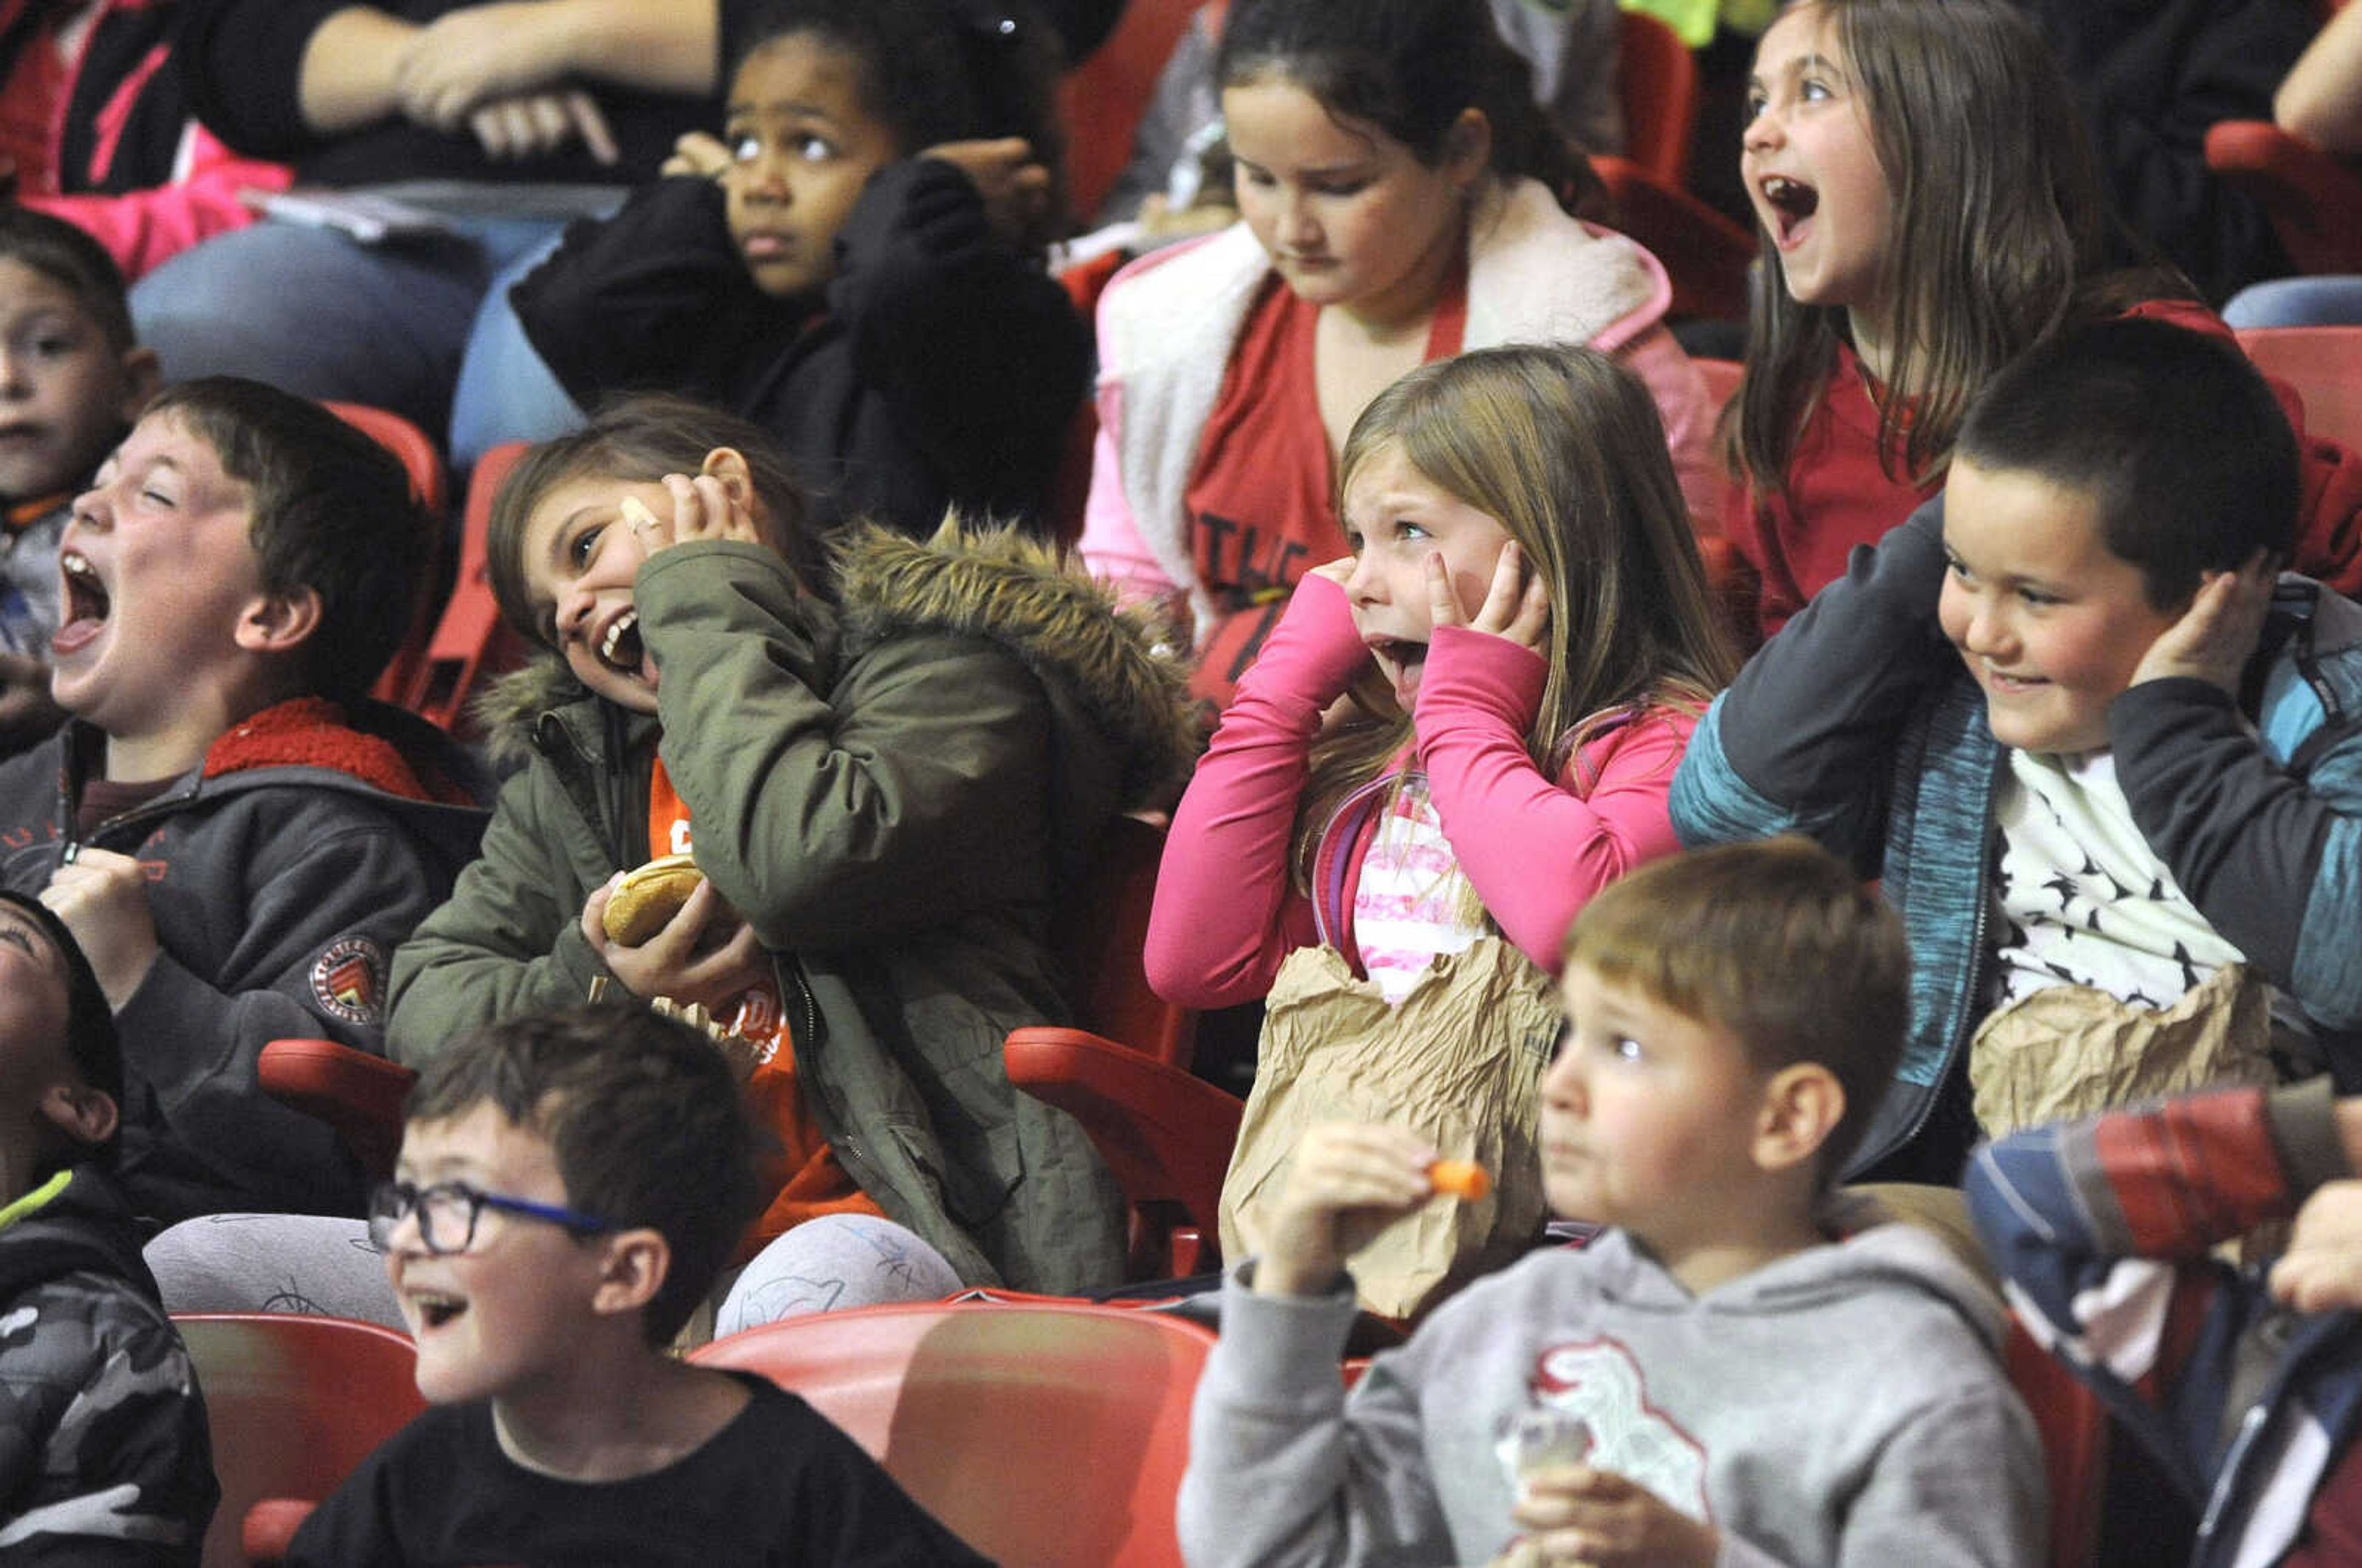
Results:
2302 1118
1315 651
1285 1344
1491 675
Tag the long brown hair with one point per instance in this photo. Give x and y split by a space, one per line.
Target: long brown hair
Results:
2002 229
1562 447
643 436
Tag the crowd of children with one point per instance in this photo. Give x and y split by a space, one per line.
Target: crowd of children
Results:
2028 842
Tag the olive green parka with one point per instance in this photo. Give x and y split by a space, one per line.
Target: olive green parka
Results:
894 793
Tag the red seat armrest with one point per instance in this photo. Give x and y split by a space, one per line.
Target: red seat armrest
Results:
359 1094
2312 198
270 1526
1165 1134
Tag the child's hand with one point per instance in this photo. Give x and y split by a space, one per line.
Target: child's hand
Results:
1347 1183
2216 636
103 899
2322 1269
699 154
705 953
1599 1519
1516 607
1014 185
702 508
1338 571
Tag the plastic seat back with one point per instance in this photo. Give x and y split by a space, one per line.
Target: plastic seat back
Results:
1052 1435
294 1403
470 642
1657 79
1101 100
430 488
2324 365
1100 934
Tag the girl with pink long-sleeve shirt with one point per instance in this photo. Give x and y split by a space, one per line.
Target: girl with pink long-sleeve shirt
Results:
1470 724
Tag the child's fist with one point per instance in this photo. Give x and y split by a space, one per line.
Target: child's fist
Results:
1599 1519
103 898
1347 1183
2322 1269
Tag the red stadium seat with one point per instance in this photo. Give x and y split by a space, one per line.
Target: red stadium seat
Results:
294 1403
1049 1434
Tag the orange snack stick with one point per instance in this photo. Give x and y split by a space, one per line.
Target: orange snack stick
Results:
1464 1180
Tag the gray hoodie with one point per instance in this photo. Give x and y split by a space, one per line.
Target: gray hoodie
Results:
1844 1404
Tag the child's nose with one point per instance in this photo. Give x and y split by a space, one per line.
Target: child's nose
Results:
13 380
1298 230
1989 629
1761 130
89 509
574 608
1563 1090
765 176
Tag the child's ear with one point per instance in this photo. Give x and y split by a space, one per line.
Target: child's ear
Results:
637 1262
279 622
729 465
84 1114
1468 145
141 376
1803 1104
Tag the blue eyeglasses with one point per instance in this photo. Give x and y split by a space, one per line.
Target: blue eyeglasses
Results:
447 1212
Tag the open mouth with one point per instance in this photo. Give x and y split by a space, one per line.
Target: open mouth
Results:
436 1311
87 602
620 648
1792 202
1399 660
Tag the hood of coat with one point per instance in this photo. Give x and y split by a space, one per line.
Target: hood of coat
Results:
1026 595
1098 661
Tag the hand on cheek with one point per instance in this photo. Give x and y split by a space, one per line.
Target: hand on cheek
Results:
2217 635
1516 607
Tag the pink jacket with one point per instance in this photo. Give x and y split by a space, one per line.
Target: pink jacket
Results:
1536 847
133 167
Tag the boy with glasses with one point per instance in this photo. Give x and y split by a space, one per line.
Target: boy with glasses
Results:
570 1184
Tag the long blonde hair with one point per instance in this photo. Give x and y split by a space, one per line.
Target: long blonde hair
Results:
1563 448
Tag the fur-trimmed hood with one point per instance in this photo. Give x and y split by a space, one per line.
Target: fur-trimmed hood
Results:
980 581
1028 596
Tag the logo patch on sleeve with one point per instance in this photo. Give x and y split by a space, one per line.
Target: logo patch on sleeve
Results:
348 979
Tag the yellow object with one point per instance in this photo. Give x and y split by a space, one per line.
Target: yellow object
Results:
1694 20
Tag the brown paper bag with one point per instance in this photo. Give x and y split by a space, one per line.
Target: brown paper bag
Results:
2068 1051
1459 1061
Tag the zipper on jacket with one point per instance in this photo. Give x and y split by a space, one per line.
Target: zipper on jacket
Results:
1967 1005
2250 1426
